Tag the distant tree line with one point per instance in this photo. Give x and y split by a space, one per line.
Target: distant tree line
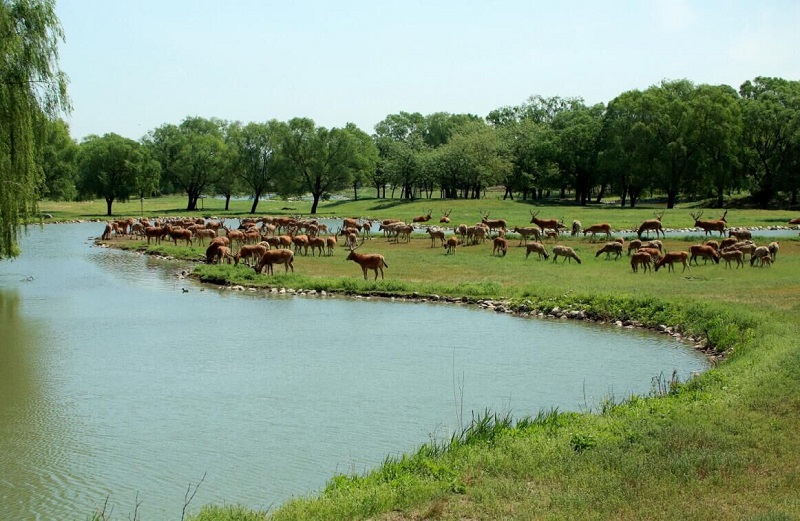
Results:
676 138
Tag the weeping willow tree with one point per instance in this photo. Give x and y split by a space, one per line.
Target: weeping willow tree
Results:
32 88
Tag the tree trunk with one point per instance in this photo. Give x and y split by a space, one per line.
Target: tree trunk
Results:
601 193
256 197
355 191
315 203
109 202
227 202
672 198
192 204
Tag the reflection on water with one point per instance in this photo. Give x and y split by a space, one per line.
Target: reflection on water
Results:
115 382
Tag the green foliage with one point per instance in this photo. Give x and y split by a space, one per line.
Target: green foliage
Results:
32 90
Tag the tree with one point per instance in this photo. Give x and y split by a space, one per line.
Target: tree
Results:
191 155
32 89
319 161
578 133
256 146
474 158
59 162
771 117
114 168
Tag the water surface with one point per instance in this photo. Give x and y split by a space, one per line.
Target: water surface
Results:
114 382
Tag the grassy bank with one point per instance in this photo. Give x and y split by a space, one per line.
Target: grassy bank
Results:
723 445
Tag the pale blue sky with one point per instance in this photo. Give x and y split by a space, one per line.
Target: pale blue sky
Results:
134 66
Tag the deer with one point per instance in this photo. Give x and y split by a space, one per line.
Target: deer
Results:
461 230
733 255
330 243
107 233
526 232
367 261
204 233
652 224
450 245
728 242
598 228
796 220
300 243
740 233
180 233
445 218
501 245
423 218
710 226
671 257
234 235
544 224
538 248
641 259
566 252
773 250
609 248
653 252
477 233
436 233
759 254
250 251
493 224
316 243
576 228
271 257
634 246
701 250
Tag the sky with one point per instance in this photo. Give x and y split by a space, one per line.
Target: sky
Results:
134 66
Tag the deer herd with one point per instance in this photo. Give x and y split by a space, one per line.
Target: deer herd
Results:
266 241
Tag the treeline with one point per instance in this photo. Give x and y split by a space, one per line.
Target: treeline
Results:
675 138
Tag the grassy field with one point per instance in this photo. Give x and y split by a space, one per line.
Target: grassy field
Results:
721 446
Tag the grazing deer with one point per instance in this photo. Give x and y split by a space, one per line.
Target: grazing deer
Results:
576 228
727 243
445 218
733 255
107 233
250 252
538 248
759 254
450 245
423 218
493 224
368 261
652 224
501 245
773 250
671 257
634 245
544 224
701 250
271 257
609 248
566 252
598 228
710 226
641 259
796 220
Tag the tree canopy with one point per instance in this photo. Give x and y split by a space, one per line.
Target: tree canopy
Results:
32 89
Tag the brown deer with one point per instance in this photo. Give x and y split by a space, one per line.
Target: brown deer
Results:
609 248
368 261
598 228
445 218
652 224
493 224
450 245
641 259
710 226
671 257
566 252
285 257
526 232
501 245
423 218
538 248
701 250
544 224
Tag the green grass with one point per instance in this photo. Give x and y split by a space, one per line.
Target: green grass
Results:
721 446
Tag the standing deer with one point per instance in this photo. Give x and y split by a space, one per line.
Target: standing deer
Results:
652 224
671 257
493 224
544 224
710 226
598 228
368 261
270 257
